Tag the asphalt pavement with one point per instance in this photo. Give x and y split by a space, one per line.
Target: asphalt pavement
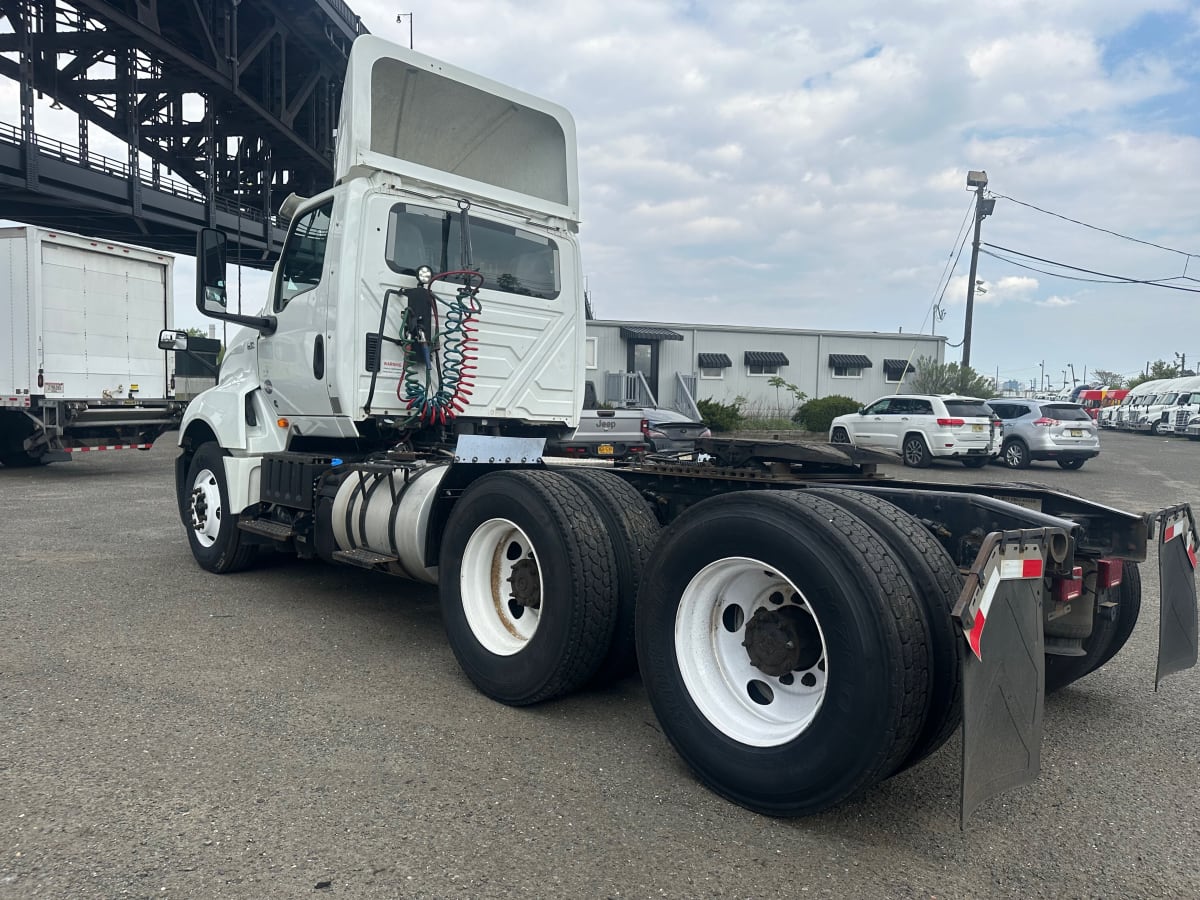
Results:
302 729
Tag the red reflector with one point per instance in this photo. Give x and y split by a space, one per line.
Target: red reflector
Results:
1069 588
949 423
1109 572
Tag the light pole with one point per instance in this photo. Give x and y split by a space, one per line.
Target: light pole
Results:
983 208
400 17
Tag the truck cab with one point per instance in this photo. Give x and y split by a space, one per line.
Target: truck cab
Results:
437 170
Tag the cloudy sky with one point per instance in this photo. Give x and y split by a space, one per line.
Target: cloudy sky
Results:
803 164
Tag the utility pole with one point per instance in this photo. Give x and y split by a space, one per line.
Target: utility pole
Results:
1042 380
1182 357
1074 380
983 208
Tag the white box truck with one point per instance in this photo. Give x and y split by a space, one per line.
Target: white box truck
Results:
79 364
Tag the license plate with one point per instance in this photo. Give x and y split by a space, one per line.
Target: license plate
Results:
1076 432
977 428
605 450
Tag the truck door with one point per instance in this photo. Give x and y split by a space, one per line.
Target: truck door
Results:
292 361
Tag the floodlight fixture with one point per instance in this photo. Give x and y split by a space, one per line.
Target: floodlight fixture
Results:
976 179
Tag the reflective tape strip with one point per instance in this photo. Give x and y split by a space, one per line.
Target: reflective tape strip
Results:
110 447
1021 568
14 401
1175 529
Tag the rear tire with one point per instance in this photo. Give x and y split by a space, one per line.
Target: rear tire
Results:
633 531
1071 464
837 623
1015 454
915 452
527 579
212 530
937 584
975 462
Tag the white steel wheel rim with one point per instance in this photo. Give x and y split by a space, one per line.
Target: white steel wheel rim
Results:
206 508
489 562
736 697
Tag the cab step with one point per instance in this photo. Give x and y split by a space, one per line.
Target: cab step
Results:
278 531
364 559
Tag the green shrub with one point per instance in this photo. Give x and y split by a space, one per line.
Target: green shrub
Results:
721 416
817 415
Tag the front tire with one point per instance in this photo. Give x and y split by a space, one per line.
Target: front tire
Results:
528 586
839 436
212 530
1015 454
826 694
915 452
975 462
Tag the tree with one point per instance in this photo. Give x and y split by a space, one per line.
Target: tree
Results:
933 377
1159 369
197 332
1109 379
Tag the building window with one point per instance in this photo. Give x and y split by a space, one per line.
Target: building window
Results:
894 370
847 372
589 353
764 362
848 365
713 365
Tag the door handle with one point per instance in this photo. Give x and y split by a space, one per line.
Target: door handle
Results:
319 357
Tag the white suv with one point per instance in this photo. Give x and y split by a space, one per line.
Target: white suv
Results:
922 427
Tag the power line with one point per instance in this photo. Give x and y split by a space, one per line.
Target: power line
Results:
1109 231
1111 279
940 291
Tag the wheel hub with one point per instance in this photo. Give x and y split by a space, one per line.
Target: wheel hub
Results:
526 584
779 641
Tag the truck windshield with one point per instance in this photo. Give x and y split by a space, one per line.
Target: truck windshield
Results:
510 259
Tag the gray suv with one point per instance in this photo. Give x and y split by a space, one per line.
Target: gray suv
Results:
1044 429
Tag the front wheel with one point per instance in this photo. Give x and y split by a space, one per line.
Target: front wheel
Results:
974 462
839 436
1071 463
916 452
528 586
211 526
782 650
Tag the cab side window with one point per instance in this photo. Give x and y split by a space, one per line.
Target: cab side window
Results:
303 256
879 408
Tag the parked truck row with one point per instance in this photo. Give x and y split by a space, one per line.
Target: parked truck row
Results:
1160 406
804 627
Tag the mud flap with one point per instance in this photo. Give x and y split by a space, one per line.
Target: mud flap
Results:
1004 674
1177 625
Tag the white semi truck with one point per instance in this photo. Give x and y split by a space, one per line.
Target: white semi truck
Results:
804 627
78 369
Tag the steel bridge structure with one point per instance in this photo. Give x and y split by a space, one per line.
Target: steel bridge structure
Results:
224 106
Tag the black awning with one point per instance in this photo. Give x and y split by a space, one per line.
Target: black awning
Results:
849 361
765 358
713 360
649 333
897 368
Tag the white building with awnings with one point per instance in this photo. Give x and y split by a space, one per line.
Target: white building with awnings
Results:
673 364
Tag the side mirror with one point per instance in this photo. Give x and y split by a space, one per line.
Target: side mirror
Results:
210 271
211 298
171 340
862 410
